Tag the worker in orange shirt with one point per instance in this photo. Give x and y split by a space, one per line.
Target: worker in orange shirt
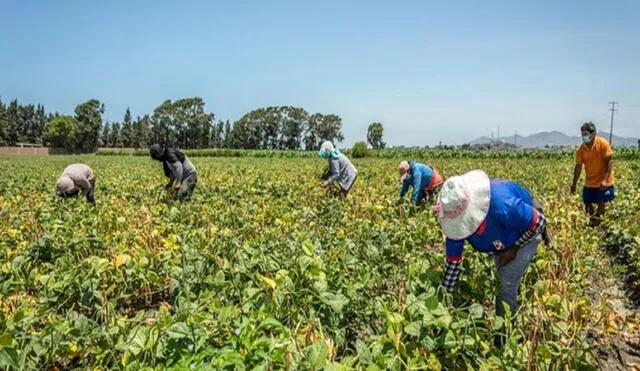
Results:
596 155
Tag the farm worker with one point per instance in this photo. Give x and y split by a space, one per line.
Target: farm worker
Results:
494 216
76 179
177 167
341 169
596 155
424 179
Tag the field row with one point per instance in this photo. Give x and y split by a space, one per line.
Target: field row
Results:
262 269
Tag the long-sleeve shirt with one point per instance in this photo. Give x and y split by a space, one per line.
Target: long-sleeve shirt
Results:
342 171
511 222
421 177
80 175
177 170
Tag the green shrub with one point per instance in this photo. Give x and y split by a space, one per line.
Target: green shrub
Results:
360 150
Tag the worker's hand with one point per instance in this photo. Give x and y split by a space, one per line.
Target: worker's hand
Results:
506 257
177 187
573 189
324 185
603 185
546 238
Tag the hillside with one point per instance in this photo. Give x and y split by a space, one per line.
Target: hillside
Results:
553 138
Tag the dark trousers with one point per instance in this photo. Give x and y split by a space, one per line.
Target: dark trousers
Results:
188 185
427 196
75 192
90 197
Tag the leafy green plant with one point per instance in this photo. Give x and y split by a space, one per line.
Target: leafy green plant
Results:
360 150
263 270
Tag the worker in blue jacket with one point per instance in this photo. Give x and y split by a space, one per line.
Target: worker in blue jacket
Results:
493 216
424 179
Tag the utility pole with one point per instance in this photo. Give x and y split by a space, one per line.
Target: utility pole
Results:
613 110
515 139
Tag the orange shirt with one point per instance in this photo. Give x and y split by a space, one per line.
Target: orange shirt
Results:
594 163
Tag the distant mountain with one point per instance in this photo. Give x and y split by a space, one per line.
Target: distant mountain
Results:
553 139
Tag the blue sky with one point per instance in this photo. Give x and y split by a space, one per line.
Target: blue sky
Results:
435 71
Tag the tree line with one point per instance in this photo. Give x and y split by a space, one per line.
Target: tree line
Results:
183 123
22 124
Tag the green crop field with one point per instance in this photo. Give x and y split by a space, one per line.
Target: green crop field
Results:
264 269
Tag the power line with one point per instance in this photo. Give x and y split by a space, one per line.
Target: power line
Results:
613 110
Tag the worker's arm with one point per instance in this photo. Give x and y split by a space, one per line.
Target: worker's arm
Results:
176 172
81 183
417 181
607 174
453 264
576 175
405 188
334 164
577 169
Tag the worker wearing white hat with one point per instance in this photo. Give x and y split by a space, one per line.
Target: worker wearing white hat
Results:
495 216
341 169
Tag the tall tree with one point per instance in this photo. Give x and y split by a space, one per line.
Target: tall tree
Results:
184 123
274 127
116 136
258 129
3 124
162 123
244 134
63 133
22 123
294 122
126 132
311 139
323 127
142 130
13 127
26 119
192 122
330 128
227 135
217 136
375 133
270 127
40 125
105 137
89 117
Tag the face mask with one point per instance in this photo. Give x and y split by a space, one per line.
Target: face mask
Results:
586 138
323 154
